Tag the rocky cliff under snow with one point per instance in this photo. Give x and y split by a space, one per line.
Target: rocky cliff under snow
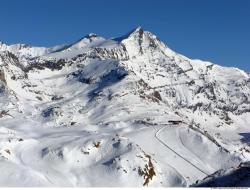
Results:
126 111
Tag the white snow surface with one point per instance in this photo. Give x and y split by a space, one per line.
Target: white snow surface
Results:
126 112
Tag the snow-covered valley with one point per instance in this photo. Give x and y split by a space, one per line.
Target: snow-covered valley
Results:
126 111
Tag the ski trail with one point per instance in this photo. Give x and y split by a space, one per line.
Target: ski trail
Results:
198 159
164 144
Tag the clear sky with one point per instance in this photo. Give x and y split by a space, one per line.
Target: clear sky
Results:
213 30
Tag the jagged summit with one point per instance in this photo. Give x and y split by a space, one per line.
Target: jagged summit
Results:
135 30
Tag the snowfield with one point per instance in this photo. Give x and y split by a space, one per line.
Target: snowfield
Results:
123 112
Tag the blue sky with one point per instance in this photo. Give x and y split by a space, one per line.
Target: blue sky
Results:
214 30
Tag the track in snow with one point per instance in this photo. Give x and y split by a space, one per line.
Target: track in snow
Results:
164 144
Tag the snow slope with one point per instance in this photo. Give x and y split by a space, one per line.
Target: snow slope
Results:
126 111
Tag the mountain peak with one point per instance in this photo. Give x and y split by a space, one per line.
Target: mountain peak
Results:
86 40
135 32
139 41
138 29
91 35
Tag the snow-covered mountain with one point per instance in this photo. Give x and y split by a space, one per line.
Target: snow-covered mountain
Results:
126 111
